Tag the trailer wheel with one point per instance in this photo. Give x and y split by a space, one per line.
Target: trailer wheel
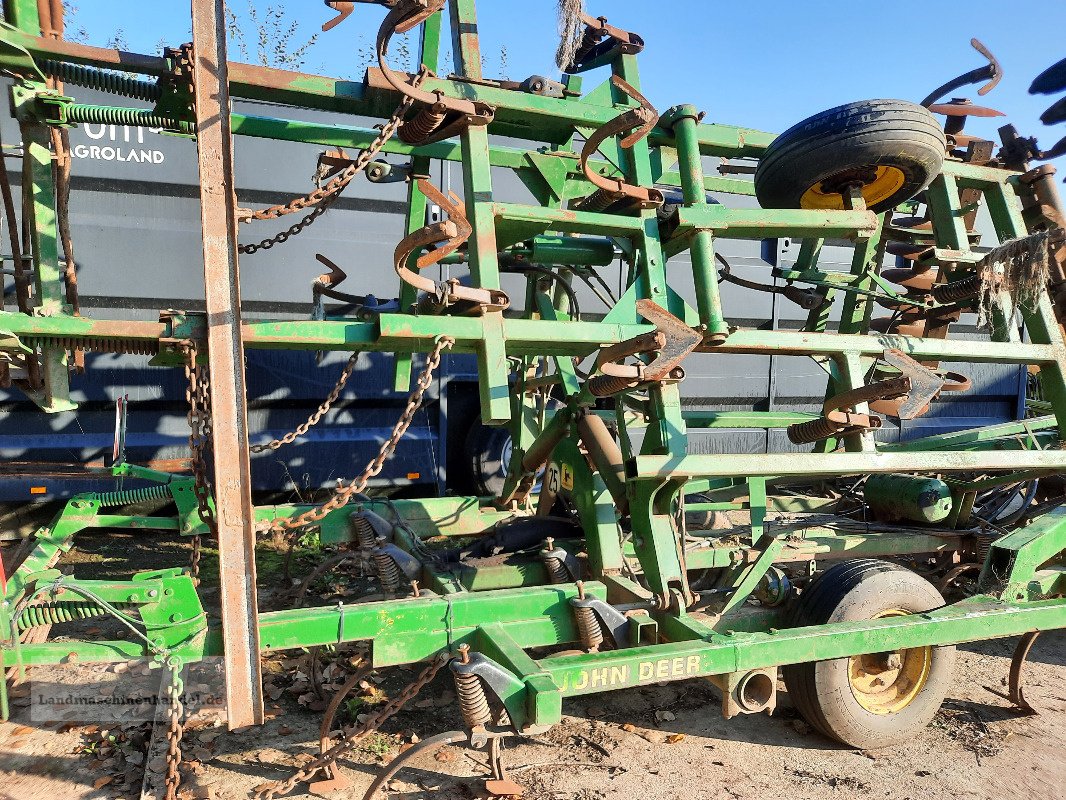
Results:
879 699
892 148
488 452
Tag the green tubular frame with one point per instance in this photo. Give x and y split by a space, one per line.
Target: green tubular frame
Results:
503 610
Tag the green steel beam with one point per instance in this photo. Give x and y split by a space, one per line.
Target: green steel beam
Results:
788 465
979 618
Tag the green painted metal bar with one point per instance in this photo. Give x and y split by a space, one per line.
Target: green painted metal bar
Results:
980 618
758 223
787 465
39 196
684 120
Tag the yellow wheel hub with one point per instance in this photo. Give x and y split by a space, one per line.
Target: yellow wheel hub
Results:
882 184
885 683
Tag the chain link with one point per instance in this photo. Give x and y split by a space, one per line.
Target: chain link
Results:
198 396
314 419
175 728
324 196
354 736
344 495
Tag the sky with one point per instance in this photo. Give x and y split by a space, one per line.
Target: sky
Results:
765 65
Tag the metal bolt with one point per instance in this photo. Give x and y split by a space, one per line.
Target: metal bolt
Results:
581 590
414 588
464 654
153 593
549 543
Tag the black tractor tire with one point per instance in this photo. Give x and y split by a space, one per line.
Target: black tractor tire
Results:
893 147
487 449
825 693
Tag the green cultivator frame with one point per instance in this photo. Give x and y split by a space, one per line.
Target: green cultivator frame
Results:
589 557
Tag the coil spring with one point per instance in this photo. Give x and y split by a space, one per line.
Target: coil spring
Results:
984 545
129 497
588 627
364 532
58 611
957 290
103 80
473 701
556 569
138 347
386 570
813 431
600 200
111 115
607 385
421 126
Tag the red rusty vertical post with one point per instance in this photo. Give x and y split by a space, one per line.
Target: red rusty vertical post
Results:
233 497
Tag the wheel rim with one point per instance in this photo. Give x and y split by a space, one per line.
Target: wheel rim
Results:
878 184
886 683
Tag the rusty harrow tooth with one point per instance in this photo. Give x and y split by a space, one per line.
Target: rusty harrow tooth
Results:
1051 80
991 73
632 126
600 43
442 117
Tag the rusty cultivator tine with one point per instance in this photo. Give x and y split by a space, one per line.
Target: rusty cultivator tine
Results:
632 125
601 43
441 117
1051 80
991 73
670 343
439 240
344 9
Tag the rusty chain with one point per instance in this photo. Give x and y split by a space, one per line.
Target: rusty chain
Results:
314 419
175 728
354 736
344 494
324 196
198 397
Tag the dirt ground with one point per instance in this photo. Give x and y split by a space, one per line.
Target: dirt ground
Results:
663 742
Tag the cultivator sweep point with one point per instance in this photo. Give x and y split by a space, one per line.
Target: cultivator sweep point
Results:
584 572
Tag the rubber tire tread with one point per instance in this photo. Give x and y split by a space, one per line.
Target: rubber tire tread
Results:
483 447
815 607
836 139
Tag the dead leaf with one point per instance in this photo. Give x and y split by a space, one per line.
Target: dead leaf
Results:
674 738
100 783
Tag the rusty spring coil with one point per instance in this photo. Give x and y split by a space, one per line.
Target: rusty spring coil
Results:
103 80
984 544
128 497
957 290
386 569
364 532
607 385
137 347
588 627
556 569
600 200
59 611
473 701
812 431
421 126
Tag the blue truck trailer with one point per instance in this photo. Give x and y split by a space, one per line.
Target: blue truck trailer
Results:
135 224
